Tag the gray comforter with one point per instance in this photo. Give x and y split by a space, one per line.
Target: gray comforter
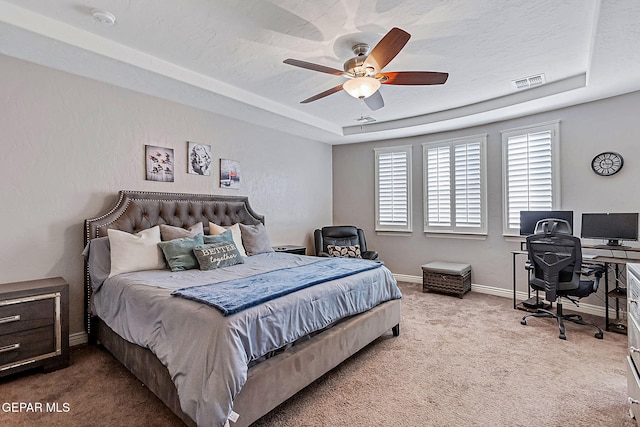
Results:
206 353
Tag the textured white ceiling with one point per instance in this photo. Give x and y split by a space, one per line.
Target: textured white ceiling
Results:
226 56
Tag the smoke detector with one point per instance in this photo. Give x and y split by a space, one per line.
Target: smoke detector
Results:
528 82
103 17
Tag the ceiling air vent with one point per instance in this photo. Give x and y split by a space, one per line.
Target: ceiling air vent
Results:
528 82
365 120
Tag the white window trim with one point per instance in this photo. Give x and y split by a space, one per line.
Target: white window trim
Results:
389 228
554 127
482 230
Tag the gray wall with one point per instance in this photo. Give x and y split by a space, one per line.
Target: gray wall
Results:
69 144
585 130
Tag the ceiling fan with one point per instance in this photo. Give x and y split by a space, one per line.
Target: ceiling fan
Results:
364 71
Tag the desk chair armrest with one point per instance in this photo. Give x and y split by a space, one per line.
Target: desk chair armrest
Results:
596 269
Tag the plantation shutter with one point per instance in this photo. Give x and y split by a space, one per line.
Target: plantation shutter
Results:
393 189
529 174
468 185
455 194
439 187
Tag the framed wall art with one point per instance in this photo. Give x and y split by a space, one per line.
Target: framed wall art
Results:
199 159
159 163
229 173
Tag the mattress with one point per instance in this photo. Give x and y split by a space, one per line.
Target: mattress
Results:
206 353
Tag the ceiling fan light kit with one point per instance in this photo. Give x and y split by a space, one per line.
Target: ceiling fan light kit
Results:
361 87
365 71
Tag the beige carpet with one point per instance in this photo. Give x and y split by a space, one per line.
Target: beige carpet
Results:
456 363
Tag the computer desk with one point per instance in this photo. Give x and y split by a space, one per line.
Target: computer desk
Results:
616 260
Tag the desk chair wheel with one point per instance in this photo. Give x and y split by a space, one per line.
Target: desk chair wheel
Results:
523 322
599 335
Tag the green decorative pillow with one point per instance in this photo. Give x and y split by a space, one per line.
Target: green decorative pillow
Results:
227 236
344 251
179 252
216 255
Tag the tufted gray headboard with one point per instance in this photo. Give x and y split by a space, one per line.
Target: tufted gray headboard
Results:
138 210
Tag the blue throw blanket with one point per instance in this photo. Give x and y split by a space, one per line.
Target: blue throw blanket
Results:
236 295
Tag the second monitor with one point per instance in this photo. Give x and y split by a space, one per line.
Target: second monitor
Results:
613 227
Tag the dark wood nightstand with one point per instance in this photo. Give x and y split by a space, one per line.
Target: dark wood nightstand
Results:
34 325
291 249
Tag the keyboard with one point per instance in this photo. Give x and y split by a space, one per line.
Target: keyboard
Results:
589 256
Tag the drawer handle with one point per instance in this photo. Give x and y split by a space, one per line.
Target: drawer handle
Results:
633 401
15 365
10 319
632 349
9 347
634 301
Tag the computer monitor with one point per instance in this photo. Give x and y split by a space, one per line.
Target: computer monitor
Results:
613 227
529 219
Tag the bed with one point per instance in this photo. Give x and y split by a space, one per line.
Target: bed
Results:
273 368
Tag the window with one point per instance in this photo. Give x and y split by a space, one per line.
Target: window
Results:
455 185
530 175
393 188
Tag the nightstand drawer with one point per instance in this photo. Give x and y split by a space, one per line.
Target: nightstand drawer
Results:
26 344
22 314
34 325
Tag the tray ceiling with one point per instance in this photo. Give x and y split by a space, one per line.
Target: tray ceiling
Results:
226 57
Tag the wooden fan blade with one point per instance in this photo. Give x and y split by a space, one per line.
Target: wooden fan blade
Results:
314 67
387 48
322 94
375 101
413 78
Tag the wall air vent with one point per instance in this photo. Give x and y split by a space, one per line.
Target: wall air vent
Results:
528 82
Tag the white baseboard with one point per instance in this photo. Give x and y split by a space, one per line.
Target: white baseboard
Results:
78 338
508 293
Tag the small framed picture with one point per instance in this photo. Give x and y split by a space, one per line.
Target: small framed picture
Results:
229 173
159 163
199 159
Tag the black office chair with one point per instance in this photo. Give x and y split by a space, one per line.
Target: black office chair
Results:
555 256
342 235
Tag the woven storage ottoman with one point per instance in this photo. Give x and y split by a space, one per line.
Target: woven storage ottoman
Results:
446 277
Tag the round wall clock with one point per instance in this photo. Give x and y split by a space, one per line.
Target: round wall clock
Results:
607 163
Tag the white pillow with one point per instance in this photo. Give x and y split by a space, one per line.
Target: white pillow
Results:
237 238
135 252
